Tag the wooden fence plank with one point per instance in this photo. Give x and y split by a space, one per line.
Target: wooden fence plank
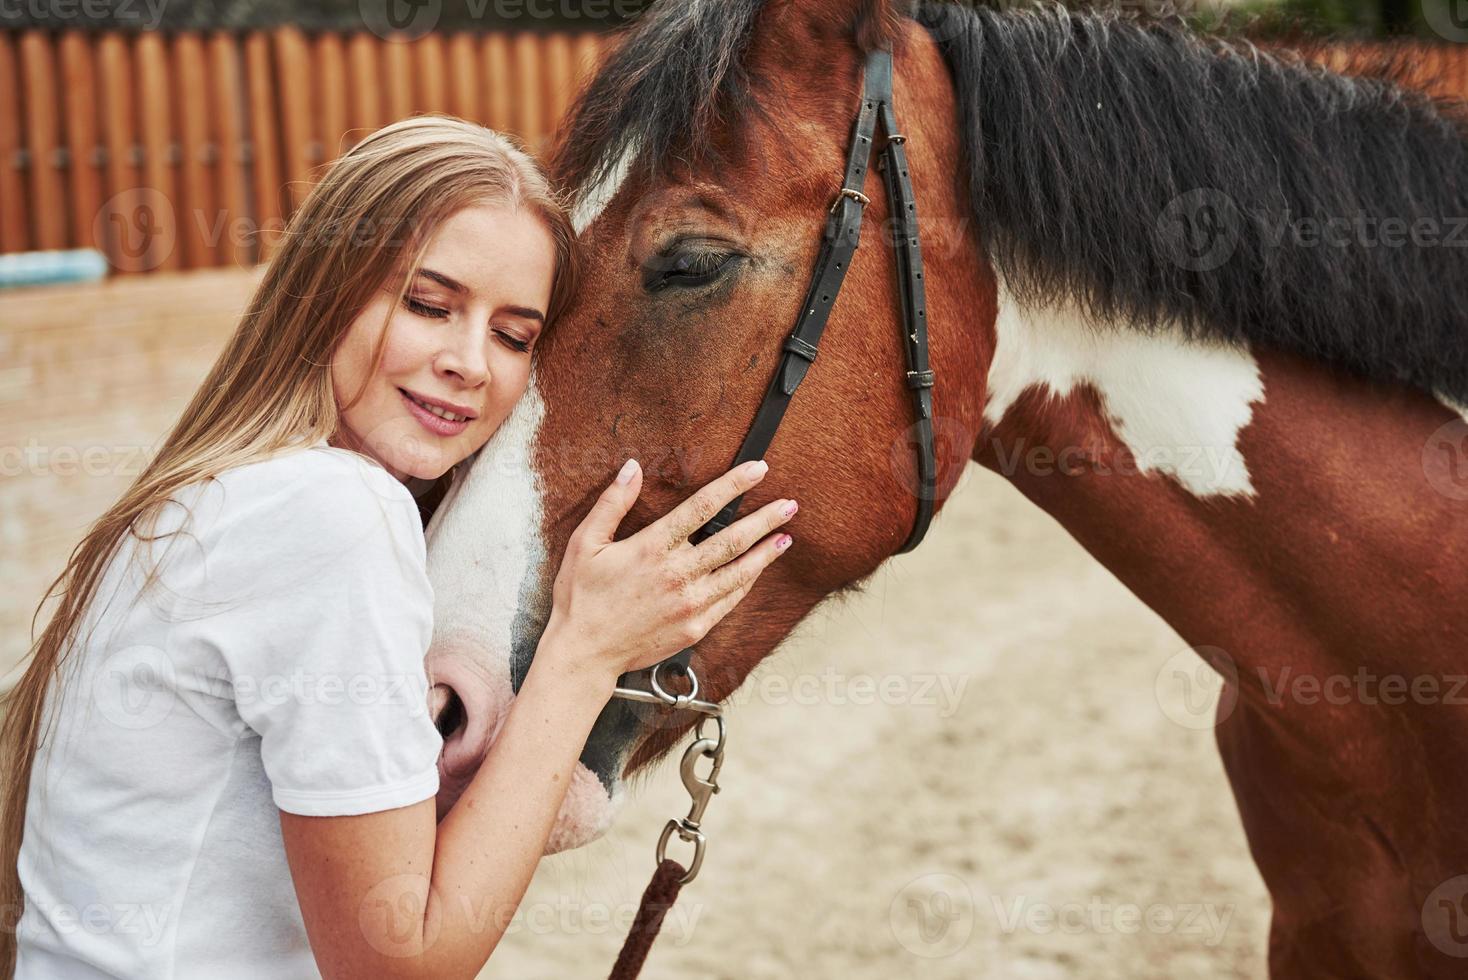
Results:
398 59
331 95
156 126
227 114
365 70
14 221
431 89
84 178
264 148
464 89
498 84
559 77
116 225
199 215
528 108
43 139
293 65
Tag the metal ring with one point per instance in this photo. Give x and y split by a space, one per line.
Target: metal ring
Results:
723 731
693 837
896 138
676 700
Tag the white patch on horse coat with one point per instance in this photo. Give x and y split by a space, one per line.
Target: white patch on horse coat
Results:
1178 405
484 539
593 200
486 561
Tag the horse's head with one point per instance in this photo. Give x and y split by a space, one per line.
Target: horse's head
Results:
705 157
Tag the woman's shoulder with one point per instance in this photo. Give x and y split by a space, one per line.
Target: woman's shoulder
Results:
313 499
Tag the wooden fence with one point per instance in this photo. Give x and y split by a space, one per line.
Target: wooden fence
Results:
189 150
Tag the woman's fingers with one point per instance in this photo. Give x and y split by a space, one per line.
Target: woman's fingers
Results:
740 536
600 525
673 528
732 582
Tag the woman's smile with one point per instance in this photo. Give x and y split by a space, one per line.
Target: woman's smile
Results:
439 417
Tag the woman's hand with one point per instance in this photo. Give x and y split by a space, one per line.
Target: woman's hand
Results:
624 605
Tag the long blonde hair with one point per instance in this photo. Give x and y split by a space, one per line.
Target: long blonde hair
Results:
364 225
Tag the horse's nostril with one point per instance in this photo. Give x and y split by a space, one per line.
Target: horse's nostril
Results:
448 709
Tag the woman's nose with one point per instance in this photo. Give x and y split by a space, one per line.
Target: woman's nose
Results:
466 362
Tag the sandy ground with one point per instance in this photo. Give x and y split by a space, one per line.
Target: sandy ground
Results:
1032 797
983 767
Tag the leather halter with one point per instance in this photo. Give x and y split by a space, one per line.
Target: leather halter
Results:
842 235
838 246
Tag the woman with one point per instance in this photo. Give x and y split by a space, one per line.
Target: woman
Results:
221 747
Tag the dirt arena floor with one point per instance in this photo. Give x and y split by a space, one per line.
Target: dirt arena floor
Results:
990 765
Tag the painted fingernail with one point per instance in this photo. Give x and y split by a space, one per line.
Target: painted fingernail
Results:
758 468
790 508
783 542
628 468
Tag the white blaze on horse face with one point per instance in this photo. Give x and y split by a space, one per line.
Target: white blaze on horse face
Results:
593 200
486 560
1178 405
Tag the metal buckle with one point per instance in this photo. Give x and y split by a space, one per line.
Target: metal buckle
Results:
856 196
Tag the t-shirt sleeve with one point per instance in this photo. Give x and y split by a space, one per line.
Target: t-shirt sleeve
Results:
329 616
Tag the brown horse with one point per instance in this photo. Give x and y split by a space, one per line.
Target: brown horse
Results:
1206 307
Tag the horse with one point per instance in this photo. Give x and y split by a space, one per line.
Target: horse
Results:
1204 305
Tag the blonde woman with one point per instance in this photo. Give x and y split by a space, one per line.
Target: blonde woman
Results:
220 760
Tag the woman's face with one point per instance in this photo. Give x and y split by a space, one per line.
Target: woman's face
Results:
456 357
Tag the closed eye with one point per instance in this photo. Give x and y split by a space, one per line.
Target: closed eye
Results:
513 342
424 309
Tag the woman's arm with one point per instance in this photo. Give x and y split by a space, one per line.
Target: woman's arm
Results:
391 894
383 895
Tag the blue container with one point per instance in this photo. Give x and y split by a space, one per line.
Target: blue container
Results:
50 268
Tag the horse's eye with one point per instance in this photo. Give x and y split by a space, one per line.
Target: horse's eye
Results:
685 269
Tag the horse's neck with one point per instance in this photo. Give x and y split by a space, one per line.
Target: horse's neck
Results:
1259 503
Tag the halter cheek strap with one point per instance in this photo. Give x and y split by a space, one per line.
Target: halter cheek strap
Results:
838 247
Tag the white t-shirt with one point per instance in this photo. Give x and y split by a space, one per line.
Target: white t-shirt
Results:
276 662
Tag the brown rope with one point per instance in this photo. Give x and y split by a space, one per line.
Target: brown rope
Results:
661 893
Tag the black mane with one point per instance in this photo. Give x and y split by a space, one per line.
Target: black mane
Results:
676 79
1153 177
1098 147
